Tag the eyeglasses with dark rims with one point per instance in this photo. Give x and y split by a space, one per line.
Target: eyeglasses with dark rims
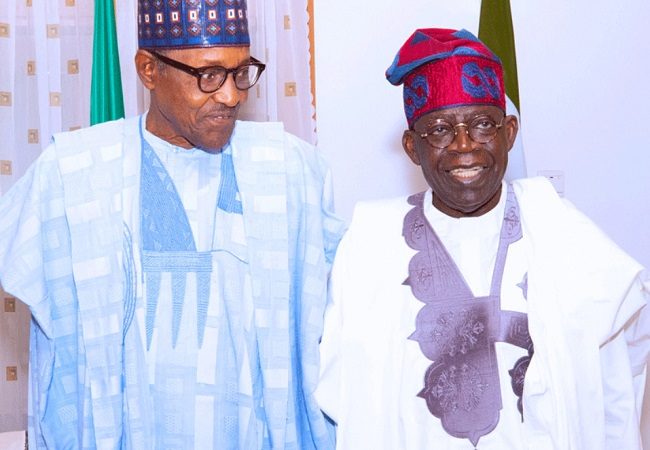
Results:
211 78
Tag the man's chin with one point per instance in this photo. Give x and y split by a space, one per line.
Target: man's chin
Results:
215 145
215 140
212 151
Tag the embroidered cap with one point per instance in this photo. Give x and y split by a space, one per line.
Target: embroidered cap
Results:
443 68
192 23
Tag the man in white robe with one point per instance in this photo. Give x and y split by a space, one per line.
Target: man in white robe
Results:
176 263
477 314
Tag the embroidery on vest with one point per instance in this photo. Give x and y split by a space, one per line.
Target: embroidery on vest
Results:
458 331
129 281
168 245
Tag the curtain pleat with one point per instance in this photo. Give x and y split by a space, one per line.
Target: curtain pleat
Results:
45 57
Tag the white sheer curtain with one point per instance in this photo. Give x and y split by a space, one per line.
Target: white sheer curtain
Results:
44 88
136 97
279 37
45 51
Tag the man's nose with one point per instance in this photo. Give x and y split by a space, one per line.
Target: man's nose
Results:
228 94
462 142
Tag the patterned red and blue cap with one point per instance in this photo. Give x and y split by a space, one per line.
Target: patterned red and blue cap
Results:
192 23
443 68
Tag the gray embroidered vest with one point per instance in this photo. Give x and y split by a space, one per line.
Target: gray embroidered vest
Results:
457 331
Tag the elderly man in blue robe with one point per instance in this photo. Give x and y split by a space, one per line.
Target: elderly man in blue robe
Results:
175 263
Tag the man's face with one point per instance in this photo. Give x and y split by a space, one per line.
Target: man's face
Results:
465 177
180 113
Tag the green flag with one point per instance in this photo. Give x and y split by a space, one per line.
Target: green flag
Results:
106 101
495 30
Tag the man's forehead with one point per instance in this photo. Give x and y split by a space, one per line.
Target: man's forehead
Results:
215 55
460 113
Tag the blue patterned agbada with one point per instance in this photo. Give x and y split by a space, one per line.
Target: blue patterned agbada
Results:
139 341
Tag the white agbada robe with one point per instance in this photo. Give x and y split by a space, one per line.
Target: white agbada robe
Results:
371 372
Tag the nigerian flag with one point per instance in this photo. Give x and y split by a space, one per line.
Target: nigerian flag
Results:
106 101
495 30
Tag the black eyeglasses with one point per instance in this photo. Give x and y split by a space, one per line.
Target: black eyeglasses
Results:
481 129
211 78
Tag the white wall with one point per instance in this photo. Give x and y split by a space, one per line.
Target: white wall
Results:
583 68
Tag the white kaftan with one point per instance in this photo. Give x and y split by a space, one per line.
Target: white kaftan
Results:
371 372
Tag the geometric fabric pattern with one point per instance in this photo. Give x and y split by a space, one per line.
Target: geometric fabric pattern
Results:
443 68
192 23
62 242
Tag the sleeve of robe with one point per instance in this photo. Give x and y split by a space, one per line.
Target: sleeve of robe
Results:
623 360
585 302
624 353
28 213
34 242
329 387
318 232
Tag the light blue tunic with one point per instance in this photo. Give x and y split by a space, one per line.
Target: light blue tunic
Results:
135 346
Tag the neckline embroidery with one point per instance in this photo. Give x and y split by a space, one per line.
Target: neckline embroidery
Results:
457 331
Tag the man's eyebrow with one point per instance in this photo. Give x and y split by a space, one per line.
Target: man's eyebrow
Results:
464 118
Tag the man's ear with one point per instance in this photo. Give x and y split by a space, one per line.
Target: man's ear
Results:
408 143
511 127
145 65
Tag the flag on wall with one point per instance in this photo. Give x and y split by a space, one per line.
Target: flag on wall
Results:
106 101
495 30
